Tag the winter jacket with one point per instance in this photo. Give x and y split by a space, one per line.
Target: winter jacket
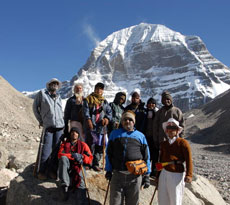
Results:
48 110
163 115
67 148
140 112
126 146
89 112
180 151
73 112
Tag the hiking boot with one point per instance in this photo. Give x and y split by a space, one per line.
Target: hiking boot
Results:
64 193
96 168
42 176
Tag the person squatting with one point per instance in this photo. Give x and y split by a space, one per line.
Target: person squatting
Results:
147 138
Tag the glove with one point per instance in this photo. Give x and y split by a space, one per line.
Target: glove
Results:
145 181
89 124
78 157
105 122
108 175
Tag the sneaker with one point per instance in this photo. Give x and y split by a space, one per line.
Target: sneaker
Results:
42 176
96 168
64 193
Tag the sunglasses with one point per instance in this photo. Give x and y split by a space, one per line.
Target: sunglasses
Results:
172 127
129 119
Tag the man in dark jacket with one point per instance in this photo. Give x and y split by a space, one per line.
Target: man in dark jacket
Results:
151 112
137 106
162 115
47 109
73 114
72 154
97 114
126 144
117 110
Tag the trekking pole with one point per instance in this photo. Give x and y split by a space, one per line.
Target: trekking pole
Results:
153 194
86 187
104 148
39 154
107 190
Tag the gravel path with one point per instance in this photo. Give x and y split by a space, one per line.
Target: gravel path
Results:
214 165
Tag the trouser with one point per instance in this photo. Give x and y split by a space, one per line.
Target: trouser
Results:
51 138
125 185
170 188
97 154
64 170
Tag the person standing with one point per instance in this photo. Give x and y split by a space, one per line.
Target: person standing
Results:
47 108
73 114
117 110
173 153
163 114
97 114
72 154
137 106
126 144
150 115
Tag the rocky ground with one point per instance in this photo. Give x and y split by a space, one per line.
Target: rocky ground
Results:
212 162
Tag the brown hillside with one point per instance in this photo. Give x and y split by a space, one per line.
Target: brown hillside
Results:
211 123
19 130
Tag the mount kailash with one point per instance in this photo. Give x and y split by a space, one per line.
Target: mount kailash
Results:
152 58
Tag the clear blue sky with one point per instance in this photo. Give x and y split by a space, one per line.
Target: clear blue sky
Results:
41 39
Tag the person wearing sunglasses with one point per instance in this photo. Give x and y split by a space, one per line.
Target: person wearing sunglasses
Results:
126 144
174 153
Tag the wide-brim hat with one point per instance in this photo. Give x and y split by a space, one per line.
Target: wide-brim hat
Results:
54 80
172 120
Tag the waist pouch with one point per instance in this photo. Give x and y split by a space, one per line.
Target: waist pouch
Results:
137 167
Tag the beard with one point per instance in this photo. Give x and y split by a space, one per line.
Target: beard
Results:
78 98
53 88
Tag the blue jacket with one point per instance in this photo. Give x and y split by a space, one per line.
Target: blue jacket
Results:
126 146
48 110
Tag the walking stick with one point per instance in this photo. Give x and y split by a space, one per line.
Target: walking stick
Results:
39 154
104 148
107 190
83 173
153 194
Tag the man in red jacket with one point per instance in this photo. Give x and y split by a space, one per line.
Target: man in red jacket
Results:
72 154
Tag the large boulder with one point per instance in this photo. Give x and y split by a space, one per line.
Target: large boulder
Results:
25 189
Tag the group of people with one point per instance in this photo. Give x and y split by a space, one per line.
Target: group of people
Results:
138 136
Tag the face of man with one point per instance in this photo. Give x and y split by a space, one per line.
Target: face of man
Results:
122 100
128 124
53 87
136 100
167 102
74 136
151 106
99 91
172 130
78 89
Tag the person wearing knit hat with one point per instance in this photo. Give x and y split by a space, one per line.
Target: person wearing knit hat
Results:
73 153
151 110
174 153
47 108
168 110
117 110
137 106
126 144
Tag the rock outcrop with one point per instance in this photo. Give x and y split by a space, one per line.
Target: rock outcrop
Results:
25 189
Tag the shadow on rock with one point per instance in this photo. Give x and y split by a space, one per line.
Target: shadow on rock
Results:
26 189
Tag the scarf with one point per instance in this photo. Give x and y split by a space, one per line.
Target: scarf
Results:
95 99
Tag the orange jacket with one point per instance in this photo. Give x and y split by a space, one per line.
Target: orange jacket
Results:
66 149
